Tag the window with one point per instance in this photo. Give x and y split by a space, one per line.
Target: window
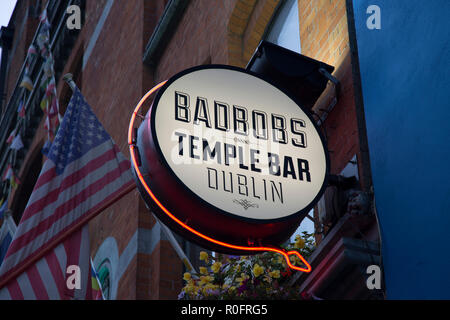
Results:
284 29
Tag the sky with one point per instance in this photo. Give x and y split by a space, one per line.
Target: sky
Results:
6 9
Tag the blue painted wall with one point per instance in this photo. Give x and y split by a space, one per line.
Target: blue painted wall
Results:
405 74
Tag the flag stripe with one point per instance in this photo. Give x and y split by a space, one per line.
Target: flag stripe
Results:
69 223
48 210
14 290
25 287
72 249
50 286
76 220
30 285
4 294
68 181
36 282
58 238
83 260
56 270
66 208
98 176
49 170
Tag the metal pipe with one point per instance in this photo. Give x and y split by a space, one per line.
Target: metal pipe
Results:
337 89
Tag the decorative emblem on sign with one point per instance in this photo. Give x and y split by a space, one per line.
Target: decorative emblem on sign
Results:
219 141
245 203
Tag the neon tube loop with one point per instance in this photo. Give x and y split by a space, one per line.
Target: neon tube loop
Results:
281 251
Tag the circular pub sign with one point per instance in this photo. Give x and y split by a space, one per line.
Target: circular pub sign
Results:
227 159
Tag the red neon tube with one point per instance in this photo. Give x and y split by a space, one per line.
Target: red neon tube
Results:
281 251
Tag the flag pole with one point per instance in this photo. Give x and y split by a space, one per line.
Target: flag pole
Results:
176 246
68 77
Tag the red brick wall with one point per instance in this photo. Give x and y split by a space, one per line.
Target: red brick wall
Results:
200 35
170 282
160 273
324 36
323 29
114 80
112 86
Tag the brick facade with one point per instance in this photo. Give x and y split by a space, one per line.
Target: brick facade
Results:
24 29
113 78
324 36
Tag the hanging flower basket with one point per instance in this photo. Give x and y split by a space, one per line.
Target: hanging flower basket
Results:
258 277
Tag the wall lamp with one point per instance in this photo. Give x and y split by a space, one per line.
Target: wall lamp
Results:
304 77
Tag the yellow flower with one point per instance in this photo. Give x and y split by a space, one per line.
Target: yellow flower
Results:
209 286
205 279
242 278
212 286
203 270
299 242
267 279
204 256
190 289
275 274
231 289
187 276
297 261
216 267
258 270
280 259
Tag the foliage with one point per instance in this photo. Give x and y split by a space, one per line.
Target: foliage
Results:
260 276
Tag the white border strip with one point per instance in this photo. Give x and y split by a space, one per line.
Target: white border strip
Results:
97 32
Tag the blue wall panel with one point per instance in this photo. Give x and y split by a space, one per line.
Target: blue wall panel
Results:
405 75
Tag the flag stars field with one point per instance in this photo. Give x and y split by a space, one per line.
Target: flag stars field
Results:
78 124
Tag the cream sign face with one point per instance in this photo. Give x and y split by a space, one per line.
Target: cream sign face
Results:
239 143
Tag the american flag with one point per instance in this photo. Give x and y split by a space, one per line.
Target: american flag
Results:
84 173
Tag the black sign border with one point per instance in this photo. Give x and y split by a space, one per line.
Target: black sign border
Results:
175 77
